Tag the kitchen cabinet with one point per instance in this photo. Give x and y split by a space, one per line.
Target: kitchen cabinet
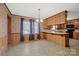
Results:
61 26
76 35
51 21
44 35
75 22
59 18
49 37
61 39
45 24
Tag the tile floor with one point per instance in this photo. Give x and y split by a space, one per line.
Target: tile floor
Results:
44 48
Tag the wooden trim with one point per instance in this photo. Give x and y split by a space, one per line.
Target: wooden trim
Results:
9 28
7 8
15 33
21 30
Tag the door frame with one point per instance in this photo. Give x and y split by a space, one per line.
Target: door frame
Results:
9 28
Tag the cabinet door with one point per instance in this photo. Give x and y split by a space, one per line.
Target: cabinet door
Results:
54 38
45 23
50 21
51 37
41 35
59 39
76 23
76 35
48 36
45 36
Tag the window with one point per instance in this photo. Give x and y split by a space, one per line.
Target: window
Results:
36 27
26 27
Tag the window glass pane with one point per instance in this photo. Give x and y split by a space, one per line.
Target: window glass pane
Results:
36 28
26 27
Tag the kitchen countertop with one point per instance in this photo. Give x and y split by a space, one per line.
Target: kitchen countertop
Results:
76 30
55 32
60 31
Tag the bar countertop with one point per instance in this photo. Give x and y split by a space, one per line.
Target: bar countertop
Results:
55 32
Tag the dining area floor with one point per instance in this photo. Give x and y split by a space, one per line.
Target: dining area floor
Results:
43 48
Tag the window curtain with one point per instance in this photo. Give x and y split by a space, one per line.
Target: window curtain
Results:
34 29
31 28
21 30
31 36
26 27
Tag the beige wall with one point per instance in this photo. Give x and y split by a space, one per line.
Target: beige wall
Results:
16 22
15 28
3 21
3 29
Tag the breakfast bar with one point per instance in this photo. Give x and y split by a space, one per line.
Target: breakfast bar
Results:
60 38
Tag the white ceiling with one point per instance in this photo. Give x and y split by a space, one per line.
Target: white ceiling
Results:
46 9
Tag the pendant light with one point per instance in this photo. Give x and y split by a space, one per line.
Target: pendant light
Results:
39 21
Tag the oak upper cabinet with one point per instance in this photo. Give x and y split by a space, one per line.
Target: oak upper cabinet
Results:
76 23
60 19
61 26
57 19
51 21
45 24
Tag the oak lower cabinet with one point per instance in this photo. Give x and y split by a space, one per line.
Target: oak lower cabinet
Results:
60 39
51 37
76 35
44 35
